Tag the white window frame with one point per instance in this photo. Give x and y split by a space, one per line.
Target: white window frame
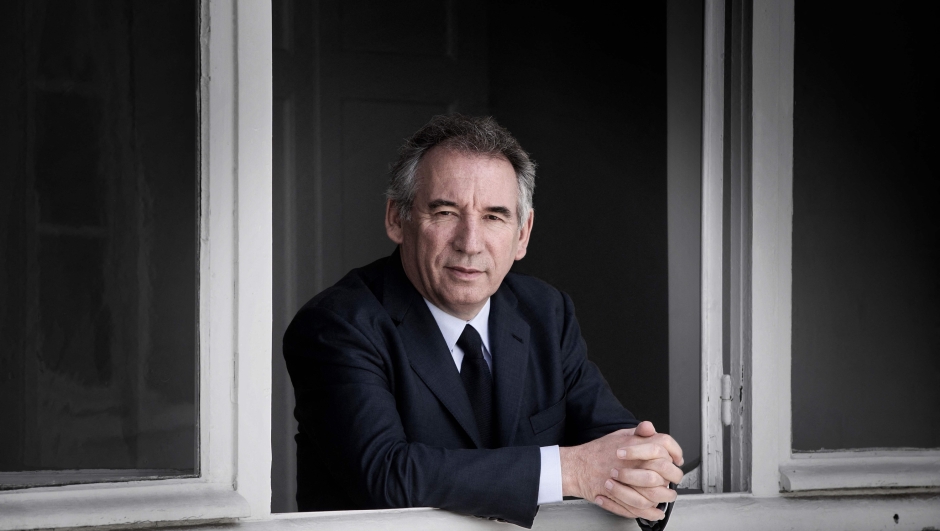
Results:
234 305
711 472
776 468
235 331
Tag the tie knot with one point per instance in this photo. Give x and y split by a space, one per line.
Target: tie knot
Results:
470 343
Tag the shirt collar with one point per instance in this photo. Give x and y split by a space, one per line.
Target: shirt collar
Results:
451 327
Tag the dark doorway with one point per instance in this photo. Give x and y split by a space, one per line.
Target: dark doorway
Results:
584 92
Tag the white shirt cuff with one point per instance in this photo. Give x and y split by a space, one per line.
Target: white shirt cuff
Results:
550 475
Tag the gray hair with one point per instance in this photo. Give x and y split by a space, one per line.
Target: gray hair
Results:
463 134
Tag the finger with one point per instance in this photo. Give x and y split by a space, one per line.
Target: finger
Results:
671 446
667 470
616 507
639 477
609 505
657 495
622 433
627 496
645 429
668 443
662 467
643 452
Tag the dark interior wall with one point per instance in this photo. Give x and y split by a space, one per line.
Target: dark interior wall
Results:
585 94
866 238
684 41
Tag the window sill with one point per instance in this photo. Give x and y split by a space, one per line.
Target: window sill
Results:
861 470
204 505
699 512
179 501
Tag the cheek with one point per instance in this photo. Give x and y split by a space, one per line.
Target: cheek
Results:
504 242
432 247
438 236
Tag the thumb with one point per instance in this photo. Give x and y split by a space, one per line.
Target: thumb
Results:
645 429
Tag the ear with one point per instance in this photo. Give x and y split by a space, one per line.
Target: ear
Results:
393 222
524 232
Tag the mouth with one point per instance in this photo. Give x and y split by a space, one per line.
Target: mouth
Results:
464 273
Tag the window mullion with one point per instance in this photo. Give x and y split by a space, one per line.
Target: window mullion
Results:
771 241
712 213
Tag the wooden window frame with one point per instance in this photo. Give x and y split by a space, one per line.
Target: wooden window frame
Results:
234 293
235 332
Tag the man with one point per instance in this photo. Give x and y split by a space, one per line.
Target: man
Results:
434 377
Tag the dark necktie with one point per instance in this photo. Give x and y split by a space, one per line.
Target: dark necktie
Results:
478 382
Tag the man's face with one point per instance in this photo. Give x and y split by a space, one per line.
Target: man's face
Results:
463 235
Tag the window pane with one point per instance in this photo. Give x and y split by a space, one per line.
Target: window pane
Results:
97 241
866 241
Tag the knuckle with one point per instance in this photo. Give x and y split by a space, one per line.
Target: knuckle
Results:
641 501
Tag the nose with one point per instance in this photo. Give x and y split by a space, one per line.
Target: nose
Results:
468 238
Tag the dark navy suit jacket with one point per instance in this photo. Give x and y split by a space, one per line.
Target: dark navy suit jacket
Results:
384 420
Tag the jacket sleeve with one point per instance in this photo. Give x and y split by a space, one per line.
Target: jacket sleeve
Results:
351 432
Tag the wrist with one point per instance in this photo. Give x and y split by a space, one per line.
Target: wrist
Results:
571 464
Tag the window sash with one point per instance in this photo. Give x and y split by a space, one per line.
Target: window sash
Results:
777 469
234 304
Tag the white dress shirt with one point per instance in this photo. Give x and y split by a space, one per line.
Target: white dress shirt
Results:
451 328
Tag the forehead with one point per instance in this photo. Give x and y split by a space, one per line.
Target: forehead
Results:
446 171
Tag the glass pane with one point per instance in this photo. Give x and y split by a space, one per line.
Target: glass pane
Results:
866 239
98 241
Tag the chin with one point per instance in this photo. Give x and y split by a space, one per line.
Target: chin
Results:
462 297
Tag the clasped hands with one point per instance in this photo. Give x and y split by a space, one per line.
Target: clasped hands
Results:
626 472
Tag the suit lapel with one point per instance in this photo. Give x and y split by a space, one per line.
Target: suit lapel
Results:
425 347
509 339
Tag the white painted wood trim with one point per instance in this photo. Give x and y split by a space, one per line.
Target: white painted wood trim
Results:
861 470
712 182
234 305
119 504
217 271
771 243
692 479
254 241
696 512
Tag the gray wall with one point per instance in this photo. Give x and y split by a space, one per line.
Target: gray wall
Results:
684 45
585 94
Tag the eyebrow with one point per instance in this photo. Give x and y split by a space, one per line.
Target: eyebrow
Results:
437 203
501 210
